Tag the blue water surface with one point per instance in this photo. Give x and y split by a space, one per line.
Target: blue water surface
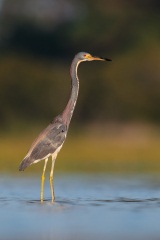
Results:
87 206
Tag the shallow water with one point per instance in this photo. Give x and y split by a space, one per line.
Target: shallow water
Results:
86 207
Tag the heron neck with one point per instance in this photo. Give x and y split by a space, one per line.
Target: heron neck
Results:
68 111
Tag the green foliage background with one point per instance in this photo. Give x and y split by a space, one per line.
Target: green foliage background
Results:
35 83
34 64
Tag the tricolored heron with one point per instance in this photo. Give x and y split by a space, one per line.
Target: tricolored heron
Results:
51 139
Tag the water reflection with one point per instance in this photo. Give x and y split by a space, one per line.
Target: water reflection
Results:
86 207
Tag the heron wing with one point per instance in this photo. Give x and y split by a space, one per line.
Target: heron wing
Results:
48 141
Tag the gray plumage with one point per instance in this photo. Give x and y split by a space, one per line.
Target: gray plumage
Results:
46 143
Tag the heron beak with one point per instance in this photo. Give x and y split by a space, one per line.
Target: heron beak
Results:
101 59
94 58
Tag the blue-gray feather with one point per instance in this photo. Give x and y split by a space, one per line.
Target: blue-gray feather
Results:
47 142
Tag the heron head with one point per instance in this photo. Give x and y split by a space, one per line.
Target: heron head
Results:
83 56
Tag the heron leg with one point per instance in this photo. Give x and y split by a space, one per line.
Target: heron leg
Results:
51 178
42 179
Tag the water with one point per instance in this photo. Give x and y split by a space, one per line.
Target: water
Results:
86 207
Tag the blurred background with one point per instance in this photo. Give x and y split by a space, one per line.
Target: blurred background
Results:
115 126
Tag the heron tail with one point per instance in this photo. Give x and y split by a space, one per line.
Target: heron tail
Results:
25 163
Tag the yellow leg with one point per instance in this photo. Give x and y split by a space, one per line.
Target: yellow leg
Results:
42 179
51 178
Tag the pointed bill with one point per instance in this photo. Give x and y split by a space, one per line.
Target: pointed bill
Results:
101 59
